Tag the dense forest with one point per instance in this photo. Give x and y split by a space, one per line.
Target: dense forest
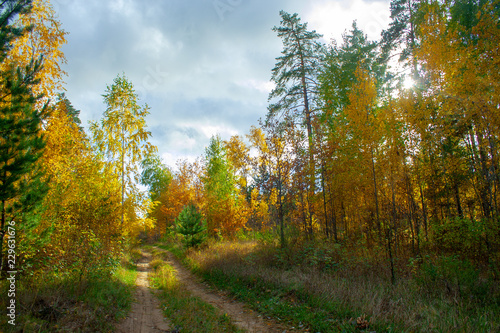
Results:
377 161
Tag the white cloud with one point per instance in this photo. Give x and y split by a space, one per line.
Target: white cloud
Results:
171 159
200 75
333 18
259 85
224 131
122 7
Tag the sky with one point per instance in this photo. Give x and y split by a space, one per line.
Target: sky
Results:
202 66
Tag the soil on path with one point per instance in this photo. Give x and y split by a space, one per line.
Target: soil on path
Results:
145 315
243 317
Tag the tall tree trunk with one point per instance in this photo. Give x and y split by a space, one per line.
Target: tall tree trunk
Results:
422 202
495 171
325 212
389 233
2 235
424 211
485 187
304 215
334 217
312 170
123 175
280 209
344 220
457 200
415 217
375 193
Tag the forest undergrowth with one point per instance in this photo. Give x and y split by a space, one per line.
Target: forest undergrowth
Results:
72 303
326 287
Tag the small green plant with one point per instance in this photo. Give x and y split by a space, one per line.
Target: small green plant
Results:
189 223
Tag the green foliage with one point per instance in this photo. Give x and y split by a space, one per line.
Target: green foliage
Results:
463 236
338 76
155 175
9 10
401 36
189 223
455 278
220 180
21 139
296 70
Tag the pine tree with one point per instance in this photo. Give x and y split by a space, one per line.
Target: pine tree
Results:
296 71
402 33
189 224
295 75
341 62
65 104
21 141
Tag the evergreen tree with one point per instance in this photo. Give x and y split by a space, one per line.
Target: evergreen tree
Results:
190 225
341 62
9 9
296 71
295 75
401 36
65 104
21 141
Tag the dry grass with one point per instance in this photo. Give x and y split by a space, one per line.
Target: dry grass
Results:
359 287
185 311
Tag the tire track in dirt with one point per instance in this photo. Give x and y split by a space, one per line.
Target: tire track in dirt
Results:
243 317
145 315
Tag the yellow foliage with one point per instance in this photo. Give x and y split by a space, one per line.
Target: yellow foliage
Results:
259 208
273 197
82 203
45 39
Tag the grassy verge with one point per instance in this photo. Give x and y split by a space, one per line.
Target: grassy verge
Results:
52 304
330 295
186 312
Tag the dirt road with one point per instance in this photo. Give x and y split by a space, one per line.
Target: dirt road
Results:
146 316
243 317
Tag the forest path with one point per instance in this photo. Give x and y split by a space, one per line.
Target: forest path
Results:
145 315
243 317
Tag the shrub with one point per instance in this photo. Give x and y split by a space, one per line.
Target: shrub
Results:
453 276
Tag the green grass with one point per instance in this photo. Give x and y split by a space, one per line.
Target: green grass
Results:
185 311
292 306
115 293
315 290
69 305
287 304
126 275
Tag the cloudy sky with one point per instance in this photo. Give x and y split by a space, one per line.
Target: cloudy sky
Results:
203 66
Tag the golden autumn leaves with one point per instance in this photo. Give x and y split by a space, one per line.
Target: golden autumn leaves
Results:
92 205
